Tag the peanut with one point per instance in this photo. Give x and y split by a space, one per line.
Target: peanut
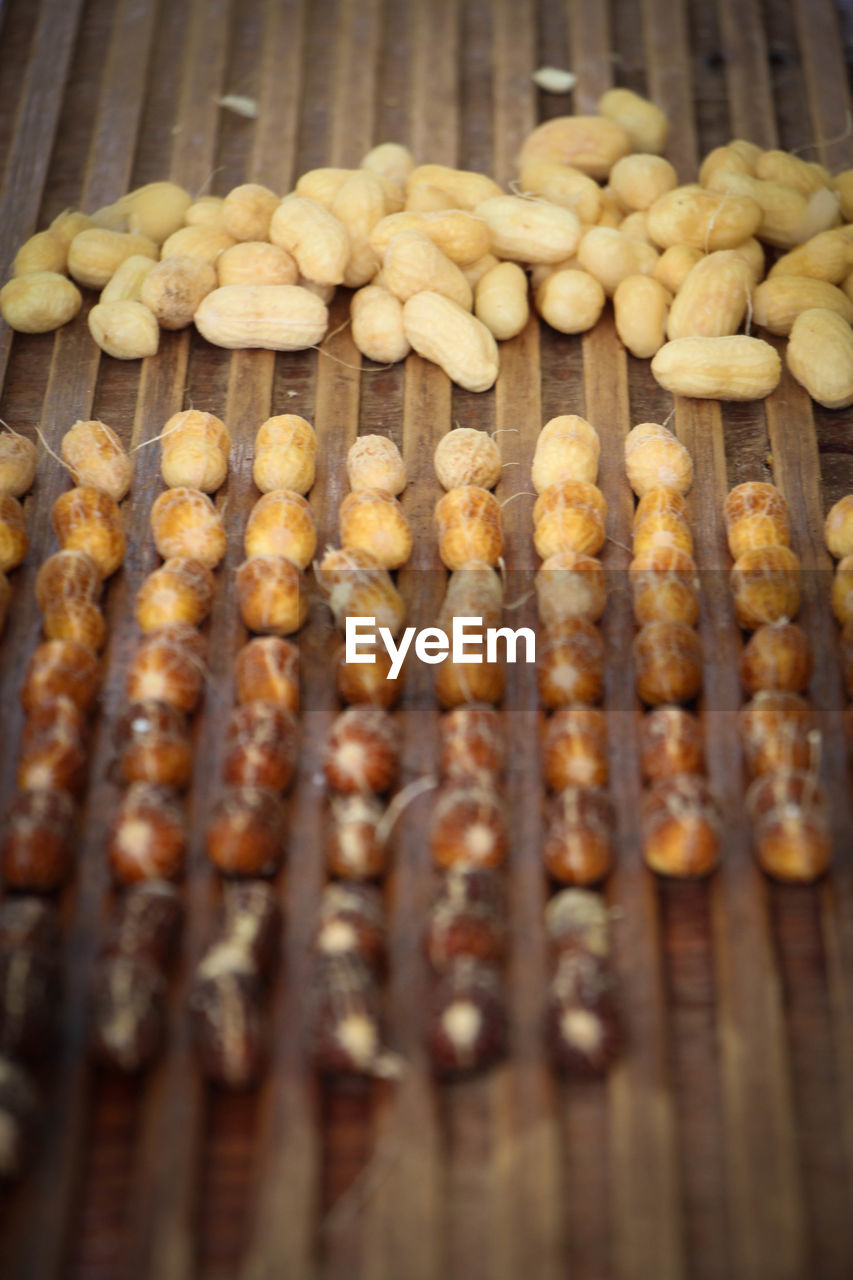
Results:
457 233
528 230
777 303
426 198
752 252
95 254
321 185
285 453
826 256
97 458
126 330
638 180
820 356
204 243
458 342
729 368
500 300
39 302
592 144
45 251
464 187
570 301
640 308
278 317
256 262
713 299
635 226
390 159
645 123
317 239
413 263
475 271
174 289
127 282
703 219
206 212
156 210
781 166
783 209
675 264
609 255
611 210
69 223
562 184
725 158
377 325
359 205
247 211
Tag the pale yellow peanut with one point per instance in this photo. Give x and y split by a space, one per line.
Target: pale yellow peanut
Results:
97 458
561 184
826 256
278 317
843 184
540 271
612 212
475 271
247 211
426 198
777 303
126 330
609 255
69 223
567 448
317 239
785 220
465 188
39 302
570 301
412 263
110 217
713 299
703 219
156 210
820 356
45 251
325 292
748 151
377 325
724 158
501 302
638 180
752 252
321 185
640 307
730 368
206 212
462 236
802 175
204 243
94 255
360 204
592 144
127 281
256 262
285 454
635 225
529 230
441 331
391 160
174 289
675 264
645 123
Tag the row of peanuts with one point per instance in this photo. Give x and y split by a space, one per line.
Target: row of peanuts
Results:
440 259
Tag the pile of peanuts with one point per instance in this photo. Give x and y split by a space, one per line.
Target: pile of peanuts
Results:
838 534
442 261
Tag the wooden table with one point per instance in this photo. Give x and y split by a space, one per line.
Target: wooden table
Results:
722 1145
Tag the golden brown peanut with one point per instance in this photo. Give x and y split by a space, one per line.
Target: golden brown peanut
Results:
468 520
126 283
837 528
474 591
705 220
826 256
459 684
206 212
644 122
562 184
466 456
670 743
86 519
781 166
285 453
662 531
181 590
732 158
567 448
317 239
390 159
778 731
366 681
374 462
465 188
125 330
97 458
458 342
174 289
793 842
95 254
60 668
570 665
842 591
640 306
668 661
765 583
681 826
67 576
77 620
412 263
359 204
13 533
777 656
778 302
45 251
575 748
609 255
569 585
247 211
820 356
184 522
732 368
675 264
267 670
271 595
500 300
638 180
68 223
168 666
372 520
664 586
256 262
377 325
570 301
755 515
592 144
278 317
194 451
713 299
655 458
357 587
156 210
569 516
281 524
18 460
202 242
529 230
657 501
39 302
